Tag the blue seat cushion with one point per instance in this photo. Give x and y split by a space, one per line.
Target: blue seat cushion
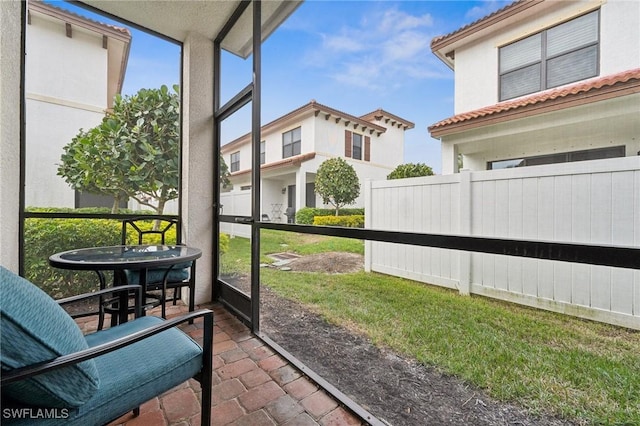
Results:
178 273
134 374
35 329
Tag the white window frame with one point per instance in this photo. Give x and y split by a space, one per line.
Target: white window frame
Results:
544 60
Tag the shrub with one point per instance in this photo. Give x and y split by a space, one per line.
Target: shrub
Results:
306 214
410 170
352 221
223 243
44 237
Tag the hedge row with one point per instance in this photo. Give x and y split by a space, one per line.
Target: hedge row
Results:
353 221
44 237
306 214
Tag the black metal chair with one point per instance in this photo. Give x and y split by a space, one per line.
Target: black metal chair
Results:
48 364
153 229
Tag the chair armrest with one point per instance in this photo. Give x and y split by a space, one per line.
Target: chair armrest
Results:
77 357
123 291
117 289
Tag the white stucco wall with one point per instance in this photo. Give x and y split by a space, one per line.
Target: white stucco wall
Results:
79 59
10 20
478 61
620 32
66 90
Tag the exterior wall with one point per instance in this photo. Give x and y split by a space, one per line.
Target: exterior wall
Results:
10 88
478 62
593 202
80 59
57 110
620 31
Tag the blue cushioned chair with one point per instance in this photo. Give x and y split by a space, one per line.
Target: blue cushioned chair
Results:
49 366
152 229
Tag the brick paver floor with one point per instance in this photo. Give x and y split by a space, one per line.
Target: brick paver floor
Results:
252 385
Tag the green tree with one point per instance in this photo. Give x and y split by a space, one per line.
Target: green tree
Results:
410 170
224 174
337 183
134 152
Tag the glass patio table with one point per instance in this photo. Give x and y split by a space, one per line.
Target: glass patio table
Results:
124 257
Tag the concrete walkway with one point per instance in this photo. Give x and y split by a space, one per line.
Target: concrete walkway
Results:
252 385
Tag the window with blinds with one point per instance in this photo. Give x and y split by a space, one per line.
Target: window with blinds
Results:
291 142
559 55
235 162
357 147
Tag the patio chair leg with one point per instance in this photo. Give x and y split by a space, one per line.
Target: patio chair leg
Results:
101 315
163 300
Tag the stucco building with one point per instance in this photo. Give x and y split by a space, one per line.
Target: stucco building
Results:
294 145
541 82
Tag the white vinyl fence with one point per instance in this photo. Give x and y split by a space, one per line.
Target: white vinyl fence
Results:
236 203
595 202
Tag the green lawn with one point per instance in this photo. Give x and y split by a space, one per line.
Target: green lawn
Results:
549 363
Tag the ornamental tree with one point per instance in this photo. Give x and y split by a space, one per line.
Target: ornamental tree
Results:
410 170
134 152
337 183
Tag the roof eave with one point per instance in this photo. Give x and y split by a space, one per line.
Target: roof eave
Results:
310 108
550 105
295 161
444 46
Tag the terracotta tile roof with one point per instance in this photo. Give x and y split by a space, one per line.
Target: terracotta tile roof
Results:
379 114
290 161
629 80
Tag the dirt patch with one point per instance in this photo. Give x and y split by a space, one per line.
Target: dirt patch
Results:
328 263
396 390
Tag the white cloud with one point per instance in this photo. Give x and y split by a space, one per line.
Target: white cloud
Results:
405 46
486 8
341 43
395 20
382 49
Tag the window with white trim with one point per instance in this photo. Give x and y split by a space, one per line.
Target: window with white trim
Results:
560 55
291 142
235 162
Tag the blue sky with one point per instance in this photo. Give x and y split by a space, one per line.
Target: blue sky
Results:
354 56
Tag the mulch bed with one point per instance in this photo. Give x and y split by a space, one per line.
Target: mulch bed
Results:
396 390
